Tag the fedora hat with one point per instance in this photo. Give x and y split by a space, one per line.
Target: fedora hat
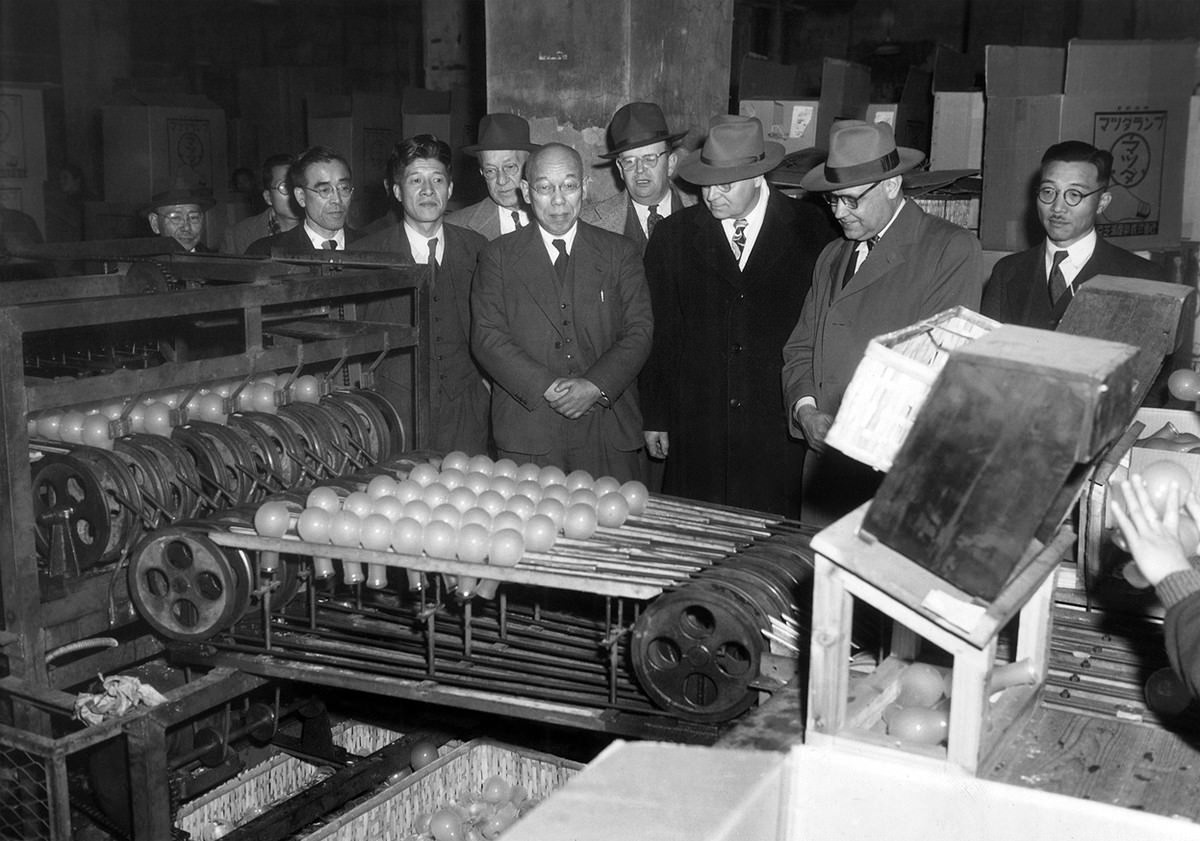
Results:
638 124
860 153
180 195
501 132
733 151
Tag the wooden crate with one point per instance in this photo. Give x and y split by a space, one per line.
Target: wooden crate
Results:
922 607
1000 452
249 793
391 815
892 381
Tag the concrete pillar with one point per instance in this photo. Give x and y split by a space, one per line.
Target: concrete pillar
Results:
567 66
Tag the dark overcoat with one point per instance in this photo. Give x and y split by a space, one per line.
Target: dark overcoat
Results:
712 381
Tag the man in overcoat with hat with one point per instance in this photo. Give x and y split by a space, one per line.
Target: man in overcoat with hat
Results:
643 150
894 266
502 150
178 213
727 278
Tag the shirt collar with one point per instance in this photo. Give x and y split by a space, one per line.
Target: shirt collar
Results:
643 210
418 243
891 221
548 240
1078 253
319 239
507 225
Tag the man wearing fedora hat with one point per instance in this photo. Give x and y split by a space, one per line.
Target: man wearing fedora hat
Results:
643 150
727 278
178 213
894 266
502 150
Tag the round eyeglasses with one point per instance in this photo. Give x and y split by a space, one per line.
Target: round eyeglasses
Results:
1049 195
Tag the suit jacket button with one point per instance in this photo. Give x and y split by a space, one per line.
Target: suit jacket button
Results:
735 404
557 345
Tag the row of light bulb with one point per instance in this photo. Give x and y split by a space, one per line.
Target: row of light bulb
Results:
158 414
473 509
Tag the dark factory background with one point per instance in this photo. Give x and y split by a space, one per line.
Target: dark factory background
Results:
265 62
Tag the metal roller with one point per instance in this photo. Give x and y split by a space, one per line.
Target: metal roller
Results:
696 651
186 586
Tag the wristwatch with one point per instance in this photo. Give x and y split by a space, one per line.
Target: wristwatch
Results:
603 400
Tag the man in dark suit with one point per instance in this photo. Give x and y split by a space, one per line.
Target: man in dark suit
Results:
178 214
561 321
323 187
1033 288
643 149
895 265
502 150
420 177
727 278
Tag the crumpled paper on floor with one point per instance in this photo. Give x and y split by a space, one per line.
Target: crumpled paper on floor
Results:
121 694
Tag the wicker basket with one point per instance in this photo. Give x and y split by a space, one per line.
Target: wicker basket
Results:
278 778
892 381
392 814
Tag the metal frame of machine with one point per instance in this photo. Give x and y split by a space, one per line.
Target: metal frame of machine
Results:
44 615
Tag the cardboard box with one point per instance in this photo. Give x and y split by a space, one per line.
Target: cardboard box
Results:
805 123
1131 97
883 112
155 141
662 792
956 141
23 151
1190 230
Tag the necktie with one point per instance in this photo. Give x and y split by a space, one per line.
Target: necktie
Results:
655 217
560 262
516 219
329 245
433 263
1058 281
739 238
852 266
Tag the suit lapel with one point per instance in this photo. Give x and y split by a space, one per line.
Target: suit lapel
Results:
537 272
633 228
889 255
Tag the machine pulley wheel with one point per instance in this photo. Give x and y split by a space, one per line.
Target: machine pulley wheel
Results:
187 587
695 652
74 511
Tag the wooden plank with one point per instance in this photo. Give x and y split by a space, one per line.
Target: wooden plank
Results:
284 291
1109 761
1143 313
